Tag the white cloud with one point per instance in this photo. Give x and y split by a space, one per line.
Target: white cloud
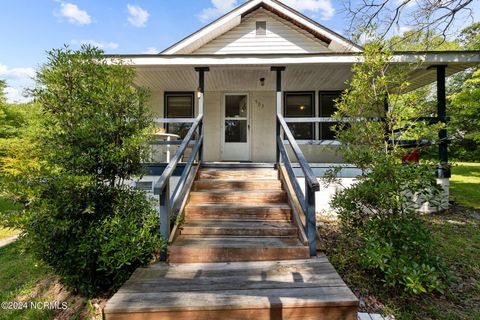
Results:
98 44
402 29
324 7
219 7
15 95
151 50
74 14
16 73
137 16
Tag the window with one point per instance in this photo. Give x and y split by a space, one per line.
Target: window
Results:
300 105
261 28
327 109
179 105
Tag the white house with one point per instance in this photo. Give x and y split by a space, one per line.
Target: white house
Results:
246 105
256 64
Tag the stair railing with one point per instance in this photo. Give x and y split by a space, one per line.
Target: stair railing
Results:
170 205
307 200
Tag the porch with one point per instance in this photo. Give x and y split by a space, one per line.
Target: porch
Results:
245 103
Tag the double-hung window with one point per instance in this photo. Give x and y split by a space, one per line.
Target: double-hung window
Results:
179 105
300 105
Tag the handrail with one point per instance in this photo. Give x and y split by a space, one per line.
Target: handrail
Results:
170 204
307 200
167 173
174 120
308 172
430 120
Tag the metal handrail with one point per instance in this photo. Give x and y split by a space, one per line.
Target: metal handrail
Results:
307 200
167 173
170 204
307 171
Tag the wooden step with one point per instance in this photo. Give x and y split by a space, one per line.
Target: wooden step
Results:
230 196
237 184
187 249
237 173
229 211
239 229
291 290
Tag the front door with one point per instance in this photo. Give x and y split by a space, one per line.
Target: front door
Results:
236 138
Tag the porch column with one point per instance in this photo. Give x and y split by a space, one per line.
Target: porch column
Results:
201 92
444 171
279 71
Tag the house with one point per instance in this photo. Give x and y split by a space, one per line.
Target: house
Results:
247 104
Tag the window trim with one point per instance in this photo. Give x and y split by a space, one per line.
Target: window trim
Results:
314 107
167 94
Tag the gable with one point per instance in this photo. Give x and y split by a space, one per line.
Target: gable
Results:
281 36
283 18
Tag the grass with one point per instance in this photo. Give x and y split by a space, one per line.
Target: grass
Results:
465 184
25 279
7 205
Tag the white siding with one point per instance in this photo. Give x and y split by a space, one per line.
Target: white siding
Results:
282 37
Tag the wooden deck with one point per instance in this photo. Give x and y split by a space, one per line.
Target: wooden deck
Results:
287 289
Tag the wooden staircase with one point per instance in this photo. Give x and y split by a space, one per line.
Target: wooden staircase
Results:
237 255
237 215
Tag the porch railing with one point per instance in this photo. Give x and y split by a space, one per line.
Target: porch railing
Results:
170 205
307 200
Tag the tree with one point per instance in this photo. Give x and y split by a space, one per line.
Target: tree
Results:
3 85
467 108
79 215
431 17
378 214
97 118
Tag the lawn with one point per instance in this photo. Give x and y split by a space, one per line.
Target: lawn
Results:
23 278
7 205
465 184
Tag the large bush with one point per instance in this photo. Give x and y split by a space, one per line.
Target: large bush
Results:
385 234
93 235
378 214
88 139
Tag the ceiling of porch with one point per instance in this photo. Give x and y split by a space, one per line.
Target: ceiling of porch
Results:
245 78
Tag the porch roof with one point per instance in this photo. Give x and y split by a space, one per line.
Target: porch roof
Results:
327 71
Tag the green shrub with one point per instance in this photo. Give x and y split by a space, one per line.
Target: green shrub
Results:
379 213
399 251
94 236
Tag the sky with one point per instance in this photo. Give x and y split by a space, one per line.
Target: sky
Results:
31 27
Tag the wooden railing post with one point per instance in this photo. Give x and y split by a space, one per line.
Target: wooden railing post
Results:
164 212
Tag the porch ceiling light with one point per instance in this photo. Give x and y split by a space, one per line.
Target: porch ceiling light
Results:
262 82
